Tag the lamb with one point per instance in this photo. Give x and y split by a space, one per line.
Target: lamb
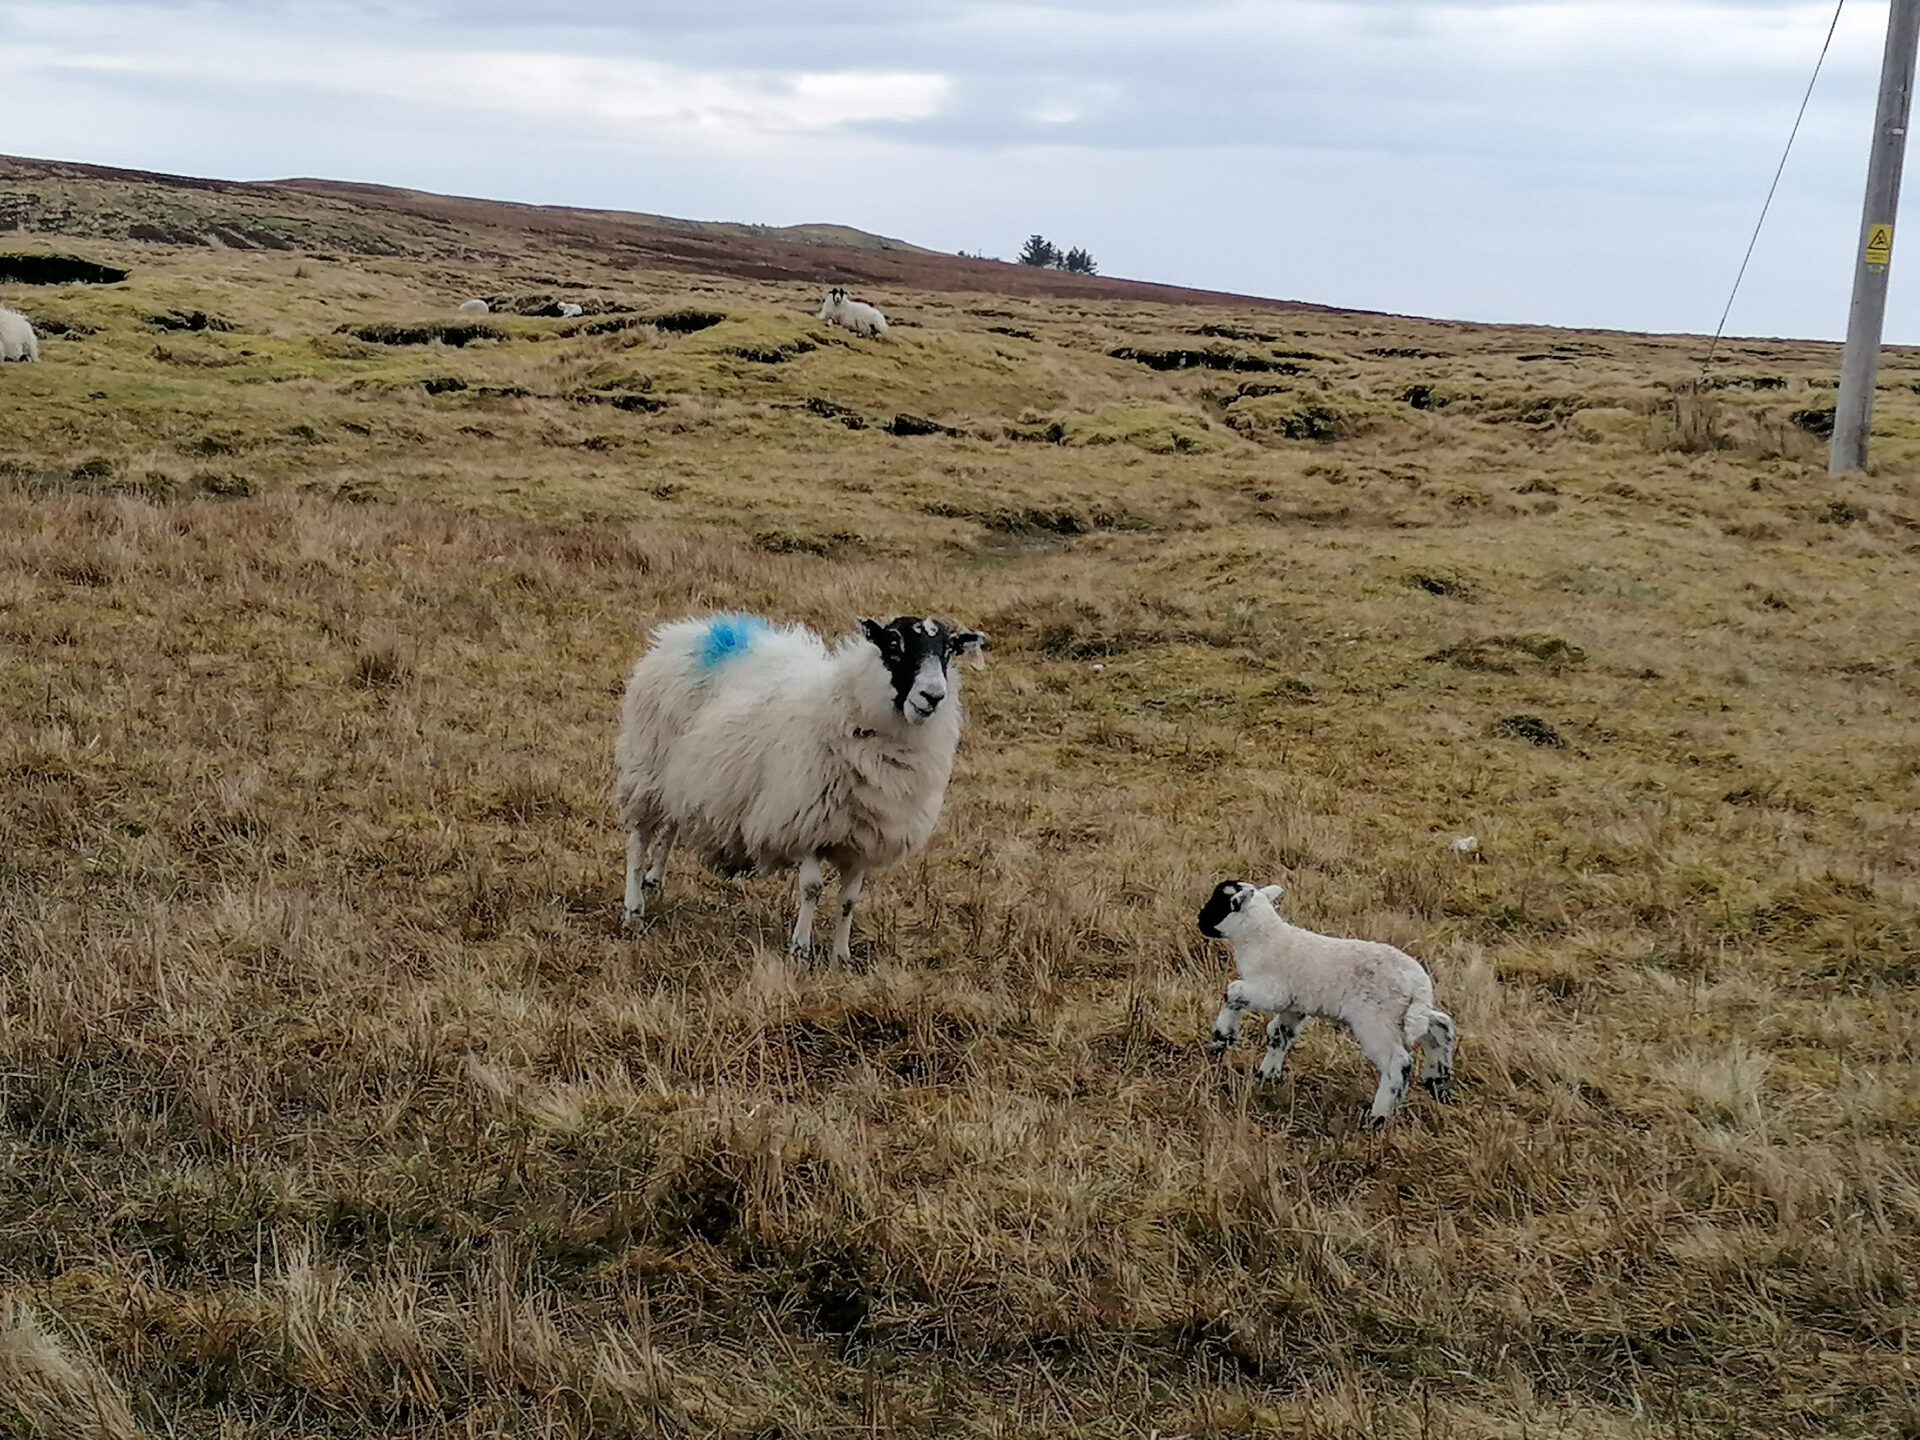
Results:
854 315
1384 995
568 309
17 340
762 749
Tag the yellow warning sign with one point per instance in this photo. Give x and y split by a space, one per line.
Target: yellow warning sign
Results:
1879 244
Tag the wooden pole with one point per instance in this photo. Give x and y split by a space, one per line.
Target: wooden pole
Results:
1861 359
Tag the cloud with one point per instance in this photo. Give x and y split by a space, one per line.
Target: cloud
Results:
1580 161
616 92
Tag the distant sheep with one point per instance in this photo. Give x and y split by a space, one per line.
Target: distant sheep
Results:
17 340
763 750
474 307
568 310
854 315
1383 995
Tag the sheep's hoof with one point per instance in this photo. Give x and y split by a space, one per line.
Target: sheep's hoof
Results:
1375 1122
1219 1044
1440 1087
631 919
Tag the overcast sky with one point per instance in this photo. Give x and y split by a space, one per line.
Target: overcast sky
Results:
1571 162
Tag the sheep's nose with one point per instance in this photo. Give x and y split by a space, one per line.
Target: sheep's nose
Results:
928 698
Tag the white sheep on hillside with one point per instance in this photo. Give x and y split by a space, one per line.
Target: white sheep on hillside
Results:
568 309
473 307
854 315
1382 994
17 340
762 749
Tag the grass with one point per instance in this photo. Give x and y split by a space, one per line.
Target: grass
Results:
336 1102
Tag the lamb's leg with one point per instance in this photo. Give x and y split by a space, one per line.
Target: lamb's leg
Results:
1436 1064
1226 1025
852 882
813 884
1395 1064
1282 1031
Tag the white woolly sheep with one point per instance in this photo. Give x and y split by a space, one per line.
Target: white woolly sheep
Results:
473 307
854 315
17 340
1382 994
568 309
762 749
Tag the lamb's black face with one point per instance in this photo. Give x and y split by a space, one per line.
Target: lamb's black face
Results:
1227 898
915 652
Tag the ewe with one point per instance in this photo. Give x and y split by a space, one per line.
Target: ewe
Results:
1383 995
860 318
762 749
17 340
473 307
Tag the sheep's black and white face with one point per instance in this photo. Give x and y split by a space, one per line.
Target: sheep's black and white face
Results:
1220 916
916 653
836 296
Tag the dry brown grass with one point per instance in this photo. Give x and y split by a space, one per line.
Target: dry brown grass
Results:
336 1103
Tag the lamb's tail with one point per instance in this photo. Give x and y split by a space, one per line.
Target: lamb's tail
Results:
1420 1012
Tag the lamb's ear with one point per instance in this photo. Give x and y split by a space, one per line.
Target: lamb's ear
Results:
1242 892
1272 893
971 644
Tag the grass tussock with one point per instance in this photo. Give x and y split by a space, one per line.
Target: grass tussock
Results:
335 1097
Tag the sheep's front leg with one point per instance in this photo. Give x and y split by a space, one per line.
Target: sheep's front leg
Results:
1282 1031
1226 1025
852 882
813 884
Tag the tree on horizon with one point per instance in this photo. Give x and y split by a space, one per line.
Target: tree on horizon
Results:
1039 251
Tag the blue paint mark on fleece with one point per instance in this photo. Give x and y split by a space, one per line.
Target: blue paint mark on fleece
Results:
727 636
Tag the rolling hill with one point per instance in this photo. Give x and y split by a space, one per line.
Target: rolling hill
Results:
333 1099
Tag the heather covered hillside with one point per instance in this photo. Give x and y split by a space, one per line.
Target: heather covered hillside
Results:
335 1101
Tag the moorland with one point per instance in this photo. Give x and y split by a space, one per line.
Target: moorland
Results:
335 1101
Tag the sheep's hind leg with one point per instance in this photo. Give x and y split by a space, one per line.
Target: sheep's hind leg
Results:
634 910
657 853
1282 1030
852 882
1436 1063
813 884
1395 1064
650 852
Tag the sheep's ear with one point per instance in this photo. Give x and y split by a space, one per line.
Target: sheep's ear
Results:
874 631
1242 892
1272 893
970 644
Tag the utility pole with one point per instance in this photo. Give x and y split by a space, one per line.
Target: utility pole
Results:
1861 359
